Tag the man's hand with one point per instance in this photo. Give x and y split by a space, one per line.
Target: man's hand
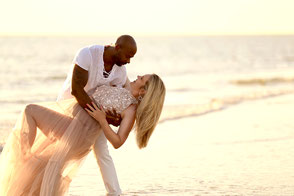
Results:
113 118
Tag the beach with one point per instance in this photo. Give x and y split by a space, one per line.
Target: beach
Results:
226 127
242 150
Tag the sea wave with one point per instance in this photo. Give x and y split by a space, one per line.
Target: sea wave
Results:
217 104
175 112
170 113
57 77
263 81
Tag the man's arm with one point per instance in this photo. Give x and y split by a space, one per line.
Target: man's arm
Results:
79 81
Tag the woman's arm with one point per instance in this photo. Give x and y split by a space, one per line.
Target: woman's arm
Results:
128 120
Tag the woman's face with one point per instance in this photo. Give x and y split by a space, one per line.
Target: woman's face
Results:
140 82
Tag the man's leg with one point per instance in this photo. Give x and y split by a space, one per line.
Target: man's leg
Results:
106 165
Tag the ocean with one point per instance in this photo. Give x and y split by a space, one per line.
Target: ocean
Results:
204 75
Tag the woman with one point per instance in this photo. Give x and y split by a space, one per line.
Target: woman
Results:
44 162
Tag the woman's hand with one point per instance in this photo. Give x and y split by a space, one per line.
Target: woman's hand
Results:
97 112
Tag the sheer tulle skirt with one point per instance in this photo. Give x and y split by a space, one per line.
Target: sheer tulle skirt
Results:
64 134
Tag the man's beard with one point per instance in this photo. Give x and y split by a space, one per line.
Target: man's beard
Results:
117 61
119 64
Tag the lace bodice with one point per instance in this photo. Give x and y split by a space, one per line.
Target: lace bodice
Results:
116 98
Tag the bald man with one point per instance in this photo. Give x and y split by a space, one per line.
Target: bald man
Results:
94 66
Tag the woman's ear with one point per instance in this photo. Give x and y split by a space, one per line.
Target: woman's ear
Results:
142 91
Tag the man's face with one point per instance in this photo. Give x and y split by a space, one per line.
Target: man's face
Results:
124 55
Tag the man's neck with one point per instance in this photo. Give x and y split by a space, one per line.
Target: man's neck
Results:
108 57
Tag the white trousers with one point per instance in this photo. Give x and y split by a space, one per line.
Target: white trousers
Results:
106 165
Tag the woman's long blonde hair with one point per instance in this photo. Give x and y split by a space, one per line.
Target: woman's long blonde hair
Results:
149 109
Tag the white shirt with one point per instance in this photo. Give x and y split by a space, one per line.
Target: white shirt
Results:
91 59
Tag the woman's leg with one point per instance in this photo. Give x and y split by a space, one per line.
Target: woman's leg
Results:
50 122
22 170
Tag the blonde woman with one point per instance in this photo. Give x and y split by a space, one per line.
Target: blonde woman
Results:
43 162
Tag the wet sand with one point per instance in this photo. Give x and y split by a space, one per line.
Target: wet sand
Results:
245 149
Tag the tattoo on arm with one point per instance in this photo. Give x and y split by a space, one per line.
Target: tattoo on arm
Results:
79 81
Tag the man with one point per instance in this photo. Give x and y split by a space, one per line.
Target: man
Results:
94 66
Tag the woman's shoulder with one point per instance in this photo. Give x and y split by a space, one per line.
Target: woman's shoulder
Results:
129 111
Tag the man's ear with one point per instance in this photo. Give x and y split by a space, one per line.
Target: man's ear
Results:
117 46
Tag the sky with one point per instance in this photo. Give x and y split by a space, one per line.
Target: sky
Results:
149 17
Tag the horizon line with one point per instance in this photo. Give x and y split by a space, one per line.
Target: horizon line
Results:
138 34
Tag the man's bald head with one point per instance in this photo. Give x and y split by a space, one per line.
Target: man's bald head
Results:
126 49
126 41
